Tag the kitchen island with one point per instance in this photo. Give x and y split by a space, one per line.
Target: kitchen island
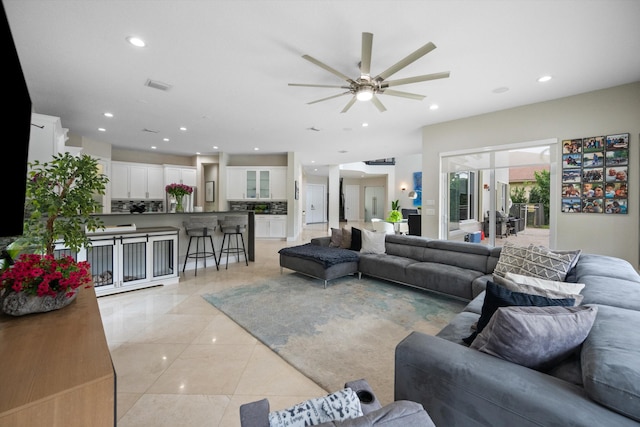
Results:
134 251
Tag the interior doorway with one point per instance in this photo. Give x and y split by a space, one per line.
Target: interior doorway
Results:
373 203
352 203
316 211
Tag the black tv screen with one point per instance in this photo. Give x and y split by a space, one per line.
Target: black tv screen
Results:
16 120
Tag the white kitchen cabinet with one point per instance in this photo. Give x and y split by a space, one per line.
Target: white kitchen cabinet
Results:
246 183
279 183
271 226
180 175
236 183
47 138
136 181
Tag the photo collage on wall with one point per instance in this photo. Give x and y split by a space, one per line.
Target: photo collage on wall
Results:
595 174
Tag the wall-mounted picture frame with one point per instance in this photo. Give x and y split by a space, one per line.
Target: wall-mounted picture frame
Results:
595 174
297 190
210 191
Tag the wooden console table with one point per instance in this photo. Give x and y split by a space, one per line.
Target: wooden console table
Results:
56 368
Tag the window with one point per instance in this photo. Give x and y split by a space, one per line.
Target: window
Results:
462 198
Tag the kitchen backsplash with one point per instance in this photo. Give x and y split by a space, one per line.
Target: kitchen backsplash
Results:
271 208
124 206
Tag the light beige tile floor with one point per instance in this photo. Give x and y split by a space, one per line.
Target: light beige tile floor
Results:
181 362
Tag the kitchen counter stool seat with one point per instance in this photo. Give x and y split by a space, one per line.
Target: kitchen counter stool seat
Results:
233 226
201 228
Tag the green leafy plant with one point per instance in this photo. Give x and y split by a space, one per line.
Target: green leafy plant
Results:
395 215
519 195
540 193
60 200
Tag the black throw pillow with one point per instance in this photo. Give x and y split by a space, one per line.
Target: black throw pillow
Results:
356 239
498 296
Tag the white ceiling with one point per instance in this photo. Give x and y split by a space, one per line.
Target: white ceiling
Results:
229 64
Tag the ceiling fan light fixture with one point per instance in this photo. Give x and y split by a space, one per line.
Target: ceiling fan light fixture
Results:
365 93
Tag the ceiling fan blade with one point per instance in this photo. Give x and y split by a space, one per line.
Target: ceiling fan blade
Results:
403 94
349 104
310 85
415 79
367 44
329 97
406 61
326 67
378 104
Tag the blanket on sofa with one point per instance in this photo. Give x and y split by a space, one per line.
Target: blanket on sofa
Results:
321 254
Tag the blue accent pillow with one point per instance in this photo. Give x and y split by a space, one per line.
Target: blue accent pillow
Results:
498 296
356 239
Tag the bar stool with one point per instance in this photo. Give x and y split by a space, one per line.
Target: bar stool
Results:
201 228
233 226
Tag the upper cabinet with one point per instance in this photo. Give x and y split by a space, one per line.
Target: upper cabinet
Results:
136 181
180 175
250 183
47 138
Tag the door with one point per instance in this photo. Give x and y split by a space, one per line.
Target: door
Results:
315 204
352 203
374 203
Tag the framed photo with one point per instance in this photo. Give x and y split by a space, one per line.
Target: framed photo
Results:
209 191
595 174
297 190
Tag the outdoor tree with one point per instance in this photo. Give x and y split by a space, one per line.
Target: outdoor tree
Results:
540 193
519 194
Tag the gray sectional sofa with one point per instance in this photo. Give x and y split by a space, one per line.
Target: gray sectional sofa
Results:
461 386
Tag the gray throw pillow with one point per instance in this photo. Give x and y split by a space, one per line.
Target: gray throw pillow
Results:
336 238
536 337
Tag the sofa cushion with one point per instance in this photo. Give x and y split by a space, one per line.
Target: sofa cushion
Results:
356 239
346 238
549 292
372 242
605 266
512 259
336 238
444 278
547 264
497 296
385 266
536 337
611 291
610 362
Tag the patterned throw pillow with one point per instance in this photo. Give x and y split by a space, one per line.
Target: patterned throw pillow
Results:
512 259
546 264
338 406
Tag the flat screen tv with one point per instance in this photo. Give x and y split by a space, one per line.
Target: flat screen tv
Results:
16 121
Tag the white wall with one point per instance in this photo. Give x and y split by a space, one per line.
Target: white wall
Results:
607 111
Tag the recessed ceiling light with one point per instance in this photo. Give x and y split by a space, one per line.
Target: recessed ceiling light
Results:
215 147
313 161
364 125
315 170
107 114
182 128
136 41
256 149
102 129
197 153
153 147
544 79
433 107
166 139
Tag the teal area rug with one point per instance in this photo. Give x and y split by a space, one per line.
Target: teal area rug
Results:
345 332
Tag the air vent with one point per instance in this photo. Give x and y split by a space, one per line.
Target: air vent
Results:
150 130
158 85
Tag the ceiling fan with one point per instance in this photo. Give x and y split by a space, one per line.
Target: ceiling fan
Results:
365 87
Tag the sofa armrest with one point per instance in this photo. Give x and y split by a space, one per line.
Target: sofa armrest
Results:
321 241
459 386
255 414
